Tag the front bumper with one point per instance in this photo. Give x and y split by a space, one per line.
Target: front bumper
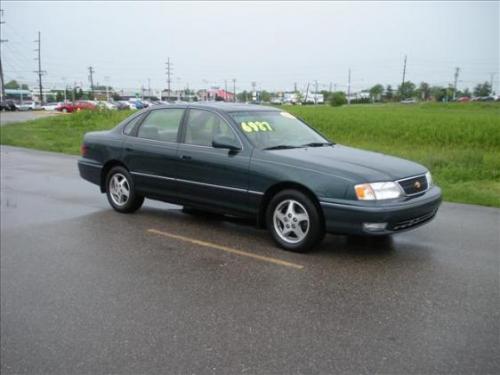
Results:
348 217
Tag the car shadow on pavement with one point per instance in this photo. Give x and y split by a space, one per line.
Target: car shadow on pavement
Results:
228 230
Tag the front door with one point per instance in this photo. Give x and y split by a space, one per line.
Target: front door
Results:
211 176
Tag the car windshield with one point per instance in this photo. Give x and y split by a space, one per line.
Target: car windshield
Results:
276 130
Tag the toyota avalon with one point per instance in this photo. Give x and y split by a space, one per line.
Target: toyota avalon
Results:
259 162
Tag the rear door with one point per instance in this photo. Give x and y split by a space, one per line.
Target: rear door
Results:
151 152
211 176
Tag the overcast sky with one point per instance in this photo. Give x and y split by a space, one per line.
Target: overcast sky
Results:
274 44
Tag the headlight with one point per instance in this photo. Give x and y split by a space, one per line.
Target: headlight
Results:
428 176
378 191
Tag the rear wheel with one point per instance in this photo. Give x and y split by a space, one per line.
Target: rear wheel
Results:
294 221
120 191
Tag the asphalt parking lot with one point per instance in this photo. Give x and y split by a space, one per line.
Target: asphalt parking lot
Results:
20 116
87 290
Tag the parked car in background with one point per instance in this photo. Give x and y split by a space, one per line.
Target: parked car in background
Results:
158 102
8 105
463 99
489 98
65 107
85 104
136 104
106 105
77 106
51 106
122 105
26 105
408 101
258 162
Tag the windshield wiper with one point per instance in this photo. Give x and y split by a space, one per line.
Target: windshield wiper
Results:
280 147
317 144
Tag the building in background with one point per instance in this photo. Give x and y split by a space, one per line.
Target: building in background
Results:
215 94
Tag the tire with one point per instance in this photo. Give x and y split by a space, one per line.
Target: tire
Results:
294 221
118 183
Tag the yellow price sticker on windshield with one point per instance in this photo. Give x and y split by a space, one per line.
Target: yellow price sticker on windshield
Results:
256 126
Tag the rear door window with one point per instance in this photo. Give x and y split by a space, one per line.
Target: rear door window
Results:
162 125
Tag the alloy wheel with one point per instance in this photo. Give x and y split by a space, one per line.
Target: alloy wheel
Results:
291 221
119 189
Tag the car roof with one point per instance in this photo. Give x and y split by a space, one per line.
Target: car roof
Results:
221 106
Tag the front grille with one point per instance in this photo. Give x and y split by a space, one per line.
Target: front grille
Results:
414 185
412 222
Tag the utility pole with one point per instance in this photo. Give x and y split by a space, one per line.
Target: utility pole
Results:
295 87
40 72
330 87
315 92
403 83
457 72
91 79
234 90
492 75
65 88
21 91
169 76
225 90
349 87
2 83
106 80
307 93
149 87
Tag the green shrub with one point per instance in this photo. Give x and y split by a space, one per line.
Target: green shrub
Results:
337 99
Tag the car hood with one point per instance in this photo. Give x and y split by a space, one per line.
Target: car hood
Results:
351 163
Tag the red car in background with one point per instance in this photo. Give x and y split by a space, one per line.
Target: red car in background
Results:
77 106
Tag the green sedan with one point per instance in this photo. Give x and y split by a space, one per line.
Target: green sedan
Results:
259 162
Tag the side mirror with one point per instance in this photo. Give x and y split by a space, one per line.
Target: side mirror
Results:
221 141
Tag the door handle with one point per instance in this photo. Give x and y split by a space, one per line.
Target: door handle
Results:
129 149
185 157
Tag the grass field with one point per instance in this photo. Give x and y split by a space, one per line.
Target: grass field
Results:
459 142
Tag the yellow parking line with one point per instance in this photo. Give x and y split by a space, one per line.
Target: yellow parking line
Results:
227 249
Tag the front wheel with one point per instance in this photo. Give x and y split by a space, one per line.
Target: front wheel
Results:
120 191
294 221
